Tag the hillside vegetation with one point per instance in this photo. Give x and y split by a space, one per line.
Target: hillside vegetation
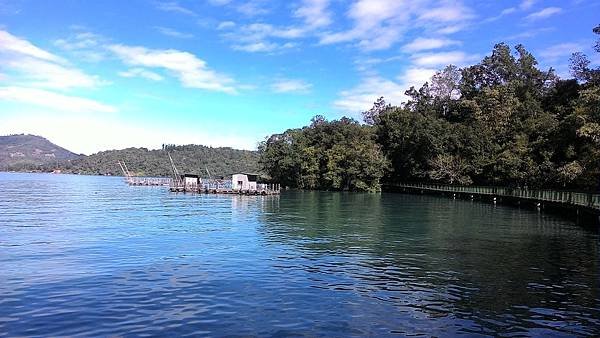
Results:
20 152
35 153
194 159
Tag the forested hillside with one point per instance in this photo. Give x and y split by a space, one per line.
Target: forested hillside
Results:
503 121
35 153
188 159
18 152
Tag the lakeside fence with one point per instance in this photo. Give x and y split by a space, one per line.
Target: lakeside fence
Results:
581 199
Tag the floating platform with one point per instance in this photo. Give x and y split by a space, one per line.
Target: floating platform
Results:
149 181
192 190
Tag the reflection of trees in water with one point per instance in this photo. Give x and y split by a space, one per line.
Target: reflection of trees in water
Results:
442 256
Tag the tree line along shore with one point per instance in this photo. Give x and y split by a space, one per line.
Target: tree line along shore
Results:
503 122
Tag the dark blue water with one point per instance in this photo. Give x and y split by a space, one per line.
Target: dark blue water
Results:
90 256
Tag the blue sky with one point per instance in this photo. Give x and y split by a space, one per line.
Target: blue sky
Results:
97 75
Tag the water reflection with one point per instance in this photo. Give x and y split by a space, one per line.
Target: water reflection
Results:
502 269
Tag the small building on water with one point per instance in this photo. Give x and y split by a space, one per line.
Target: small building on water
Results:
191 181
244 181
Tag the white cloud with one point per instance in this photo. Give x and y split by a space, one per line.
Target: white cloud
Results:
251 8
507 11
52 75
421 44
141 72
442 59
379 24
37 67
523 6
226 25
563 50
361 97
80 40
529 33
219 2
314 13
12 44
416 77
544 13
173 33
191 71
58 102
257 47
86 46
526 4
174 7
291 86
448 13
259 37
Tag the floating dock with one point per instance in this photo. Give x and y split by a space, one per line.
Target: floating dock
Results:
149 181
225 188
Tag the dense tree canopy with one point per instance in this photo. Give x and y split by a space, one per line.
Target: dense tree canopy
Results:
502 121
334 155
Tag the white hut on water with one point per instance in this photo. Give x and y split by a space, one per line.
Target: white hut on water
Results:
191 181
244 181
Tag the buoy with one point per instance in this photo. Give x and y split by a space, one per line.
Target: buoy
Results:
494 200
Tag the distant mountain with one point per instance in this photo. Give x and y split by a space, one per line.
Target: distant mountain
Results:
35 153
27 152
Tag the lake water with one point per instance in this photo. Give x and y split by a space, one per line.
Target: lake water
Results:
90 256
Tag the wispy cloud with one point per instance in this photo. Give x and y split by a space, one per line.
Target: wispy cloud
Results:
442 59
173 33
13 44
265 37
52 75
562 50
174 7
530 33
261 37
362 96
191 71
84 45
379 24
252 8
314 13
421 44
262 46
544 13
141 72
55 101
37 67
526 4
226 25
291 86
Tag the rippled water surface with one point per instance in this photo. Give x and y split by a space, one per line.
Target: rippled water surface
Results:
90 256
